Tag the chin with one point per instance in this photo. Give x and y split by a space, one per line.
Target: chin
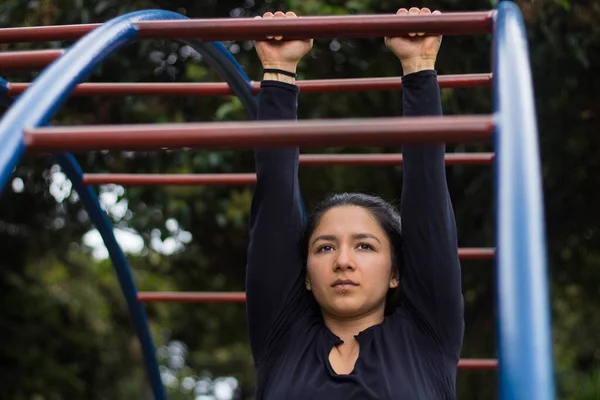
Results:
347 309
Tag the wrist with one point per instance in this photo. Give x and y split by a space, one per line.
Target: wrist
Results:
412 65
270 76
286 66
280 77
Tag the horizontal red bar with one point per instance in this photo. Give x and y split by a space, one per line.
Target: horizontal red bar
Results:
221 89
474 363
192 297
27 60
478 253
169 179
255 29
389 159
354 26
49 33
248 179
323 133
240 297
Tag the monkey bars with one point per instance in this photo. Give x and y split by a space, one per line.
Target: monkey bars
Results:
354 26
349 132
248 179
27 60
525 355
216 89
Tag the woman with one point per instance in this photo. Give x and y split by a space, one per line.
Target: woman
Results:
365 308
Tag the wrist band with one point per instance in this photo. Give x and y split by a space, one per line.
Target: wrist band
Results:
279 71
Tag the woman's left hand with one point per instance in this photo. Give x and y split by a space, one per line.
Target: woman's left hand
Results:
418 51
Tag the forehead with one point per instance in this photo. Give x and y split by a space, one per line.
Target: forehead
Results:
349 220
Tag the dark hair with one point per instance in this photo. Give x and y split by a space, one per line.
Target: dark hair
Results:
387 217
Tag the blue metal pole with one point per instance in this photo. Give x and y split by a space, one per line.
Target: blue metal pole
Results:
48 92
35 108
524 331
39 103
90 200
4 99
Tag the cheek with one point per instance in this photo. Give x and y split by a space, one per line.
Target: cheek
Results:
314 269
319 271
378 273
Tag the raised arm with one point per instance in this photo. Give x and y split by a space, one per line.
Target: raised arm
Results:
431 281
274 259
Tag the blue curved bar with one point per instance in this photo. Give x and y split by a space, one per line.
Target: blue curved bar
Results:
39 103
92 49
90 200
524 332
4 99
35 108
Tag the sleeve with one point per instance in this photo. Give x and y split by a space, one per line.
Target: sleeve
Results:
274 267
431 278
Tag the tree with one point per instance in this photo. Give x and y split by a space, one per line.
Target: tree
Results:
49 282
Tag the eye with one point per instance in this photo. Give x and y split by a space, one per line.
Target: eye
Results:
365 246
325 248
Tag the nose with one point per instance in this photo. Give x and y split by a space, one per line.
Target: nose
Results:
344 259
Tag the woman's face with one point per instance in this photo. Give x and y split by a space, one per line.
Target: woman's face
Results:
349 266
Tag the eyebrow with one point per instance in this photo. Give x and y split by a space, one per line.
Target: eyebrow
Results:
333 238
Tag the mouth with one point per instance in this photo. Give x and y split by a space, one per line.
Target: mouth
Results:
344 284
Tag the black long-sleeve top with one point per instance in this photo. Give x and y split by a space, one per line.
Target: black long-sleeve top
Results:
413 354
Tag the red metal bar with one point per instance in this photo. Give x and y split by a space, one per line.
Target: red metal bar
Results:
169 179
229 297
248 179
466 23
324 133
45 33
474 363
476 253
221 89
354 26
240 297
388 159
387 84
192 297
27 60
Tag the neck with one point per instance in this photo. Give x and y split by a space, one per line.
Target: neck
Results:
347 328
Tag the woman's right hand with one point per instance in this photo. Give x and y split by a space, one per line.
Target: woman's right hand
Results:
282 54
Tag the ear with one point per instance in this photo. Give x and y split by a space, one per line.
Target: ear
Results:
308 285
394 278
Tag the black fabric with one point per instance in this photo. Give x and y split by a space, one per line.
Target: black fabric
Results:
414 353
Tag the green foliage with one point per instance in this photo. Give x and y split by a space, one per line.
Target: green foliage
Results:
65 331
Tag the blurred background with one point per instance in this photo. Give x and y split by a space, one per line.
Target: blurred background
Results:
64 329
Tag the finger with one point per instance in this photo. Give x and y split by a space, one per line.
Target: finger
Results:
257 17
278 14
291 14
401 11
424 11
438 12
267 15
413 11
